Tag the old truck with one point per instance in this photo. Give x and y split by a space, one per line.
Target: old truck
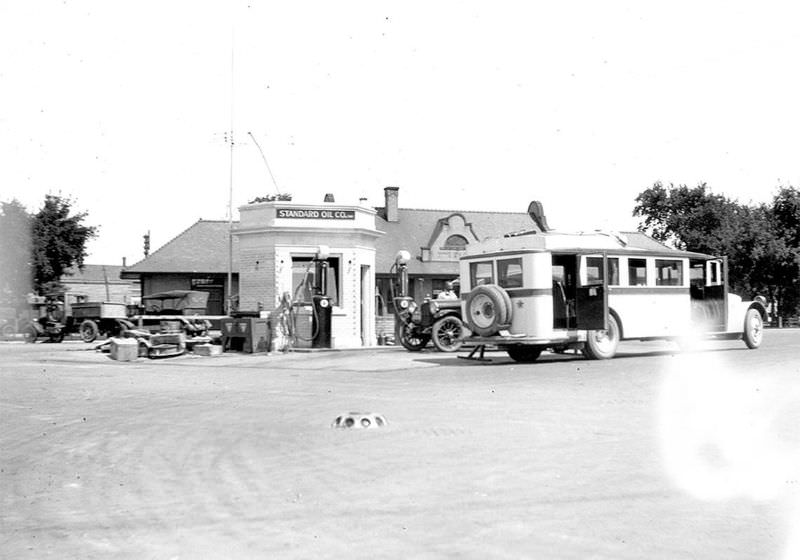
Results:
91 319
58 314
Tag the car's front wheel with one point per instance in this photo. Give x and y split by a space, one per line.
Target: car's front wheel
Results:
446 334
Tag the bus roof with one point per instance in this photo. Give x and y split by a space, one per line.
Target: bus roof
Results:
634 243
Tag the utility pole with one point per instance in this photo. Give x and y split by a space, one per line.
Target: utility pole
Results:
229 299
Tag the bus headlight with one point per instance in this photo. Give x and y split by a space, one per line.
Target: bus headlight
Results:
403 304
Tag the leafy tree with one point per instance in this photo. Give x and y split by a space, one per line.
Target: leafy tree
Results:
16 277
692 219
59 241
784 219
761 241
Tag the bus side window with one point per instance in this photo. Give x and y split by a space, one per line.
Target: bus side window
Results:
637 272
669 272
480 273
594 270
714 276
613 271
509 273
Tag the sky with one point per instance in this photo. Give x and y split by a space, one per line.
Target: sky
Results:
127 107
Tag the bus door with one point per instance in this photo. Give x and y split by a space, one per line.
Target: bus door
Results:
707 292
580 297
591 301
564 270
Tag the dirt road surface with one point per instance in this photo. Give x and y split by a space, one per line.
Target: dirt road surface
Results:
654 454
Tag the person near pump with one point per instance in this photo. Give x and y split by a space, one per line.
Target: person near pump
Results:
448 292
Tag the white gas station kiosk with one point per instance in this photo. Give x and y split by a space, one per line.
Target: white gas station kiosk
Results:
323 257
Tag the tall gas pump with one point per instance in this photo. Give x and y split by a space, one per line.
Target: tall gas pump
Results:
321 301
407 330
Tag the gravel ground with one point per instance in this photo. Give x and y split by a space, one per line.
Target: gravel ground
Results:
654 454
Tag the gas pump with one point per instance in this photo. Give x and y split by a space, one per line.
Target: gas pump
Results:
408 331
402 301
321 302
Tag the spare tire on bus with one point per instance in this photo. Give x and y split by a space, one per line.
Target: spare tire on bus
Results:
488 309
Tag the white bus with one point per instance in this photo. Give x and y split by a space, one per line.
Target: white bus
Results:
534 291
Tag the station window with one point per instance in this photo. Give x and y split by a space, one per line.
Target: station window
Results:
637 272
303 279
481 273
669 273
455 243
509 273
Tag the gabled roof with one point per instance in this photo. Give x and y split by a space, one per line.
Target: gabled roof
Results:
413 231
202 248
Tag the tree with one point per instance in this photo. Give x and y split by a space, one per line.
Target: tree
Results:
760 241
59 241
692 219
784 219
16 276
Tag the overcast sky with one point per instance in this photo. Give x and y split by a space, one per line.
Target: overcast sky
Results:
124 106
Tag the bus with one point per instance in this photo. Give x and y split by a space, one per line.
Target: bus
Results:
542 290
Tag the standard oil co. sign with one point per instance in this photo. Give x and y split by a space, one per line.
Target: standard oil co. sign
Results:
316 214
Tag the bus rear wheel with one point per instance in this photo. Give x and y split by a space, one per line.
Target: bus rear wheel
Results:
602 344
523 354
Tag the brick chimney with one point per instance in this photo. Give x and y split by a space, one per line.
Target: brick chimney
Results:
392 214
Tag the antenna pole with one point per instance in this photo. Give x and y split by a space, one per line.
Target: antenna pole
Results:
229 299
277 190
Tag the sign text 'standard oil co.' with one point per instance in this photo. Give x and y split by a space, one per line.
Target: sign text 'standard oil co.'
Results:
316 214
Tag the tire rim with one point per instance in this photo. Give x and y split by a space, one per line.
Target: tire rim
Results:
756 328
482 311
449 333
605 339
412 339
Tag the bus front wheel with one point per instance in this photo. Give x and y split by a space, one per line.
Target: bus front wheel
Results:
602 344
753 329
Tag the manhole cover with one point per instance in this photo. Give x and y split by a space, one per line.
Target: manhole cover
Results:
359 420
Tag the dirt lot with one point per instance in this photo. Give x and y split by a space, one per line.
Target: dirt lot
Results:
654 454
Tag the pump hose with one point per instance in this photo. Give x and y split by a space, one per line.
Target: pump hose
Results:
293 334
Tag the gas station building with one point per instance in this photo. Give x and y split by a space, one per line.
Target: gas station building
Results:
278 247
